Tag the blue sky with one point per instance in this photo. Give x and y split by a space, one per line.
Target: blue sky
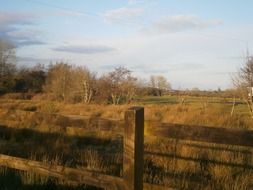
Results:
193 43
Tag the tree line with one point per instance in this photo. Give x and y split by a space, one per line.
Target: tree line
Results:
70 83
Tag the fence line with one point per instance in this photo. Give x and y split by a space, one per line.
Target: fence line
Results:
133 152
69 174
132 160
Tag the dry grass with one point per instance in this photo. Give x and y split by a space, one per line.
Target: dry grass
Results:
180 164
200 113
188 165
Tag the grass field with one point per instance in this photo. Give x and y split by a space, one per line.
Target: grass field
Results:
170 162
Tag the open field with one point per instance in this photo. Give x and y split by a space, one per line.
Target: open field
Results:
126 95
169 162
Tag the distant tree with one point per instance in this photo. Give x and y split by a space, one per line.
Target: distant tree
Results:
121 85
30 79
143 88
84 84
159 84
243 81
103 93
70 83
195 89
59 81
7 66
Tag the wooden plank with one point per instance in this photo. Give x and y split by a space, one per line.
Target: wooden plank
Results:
65 173
133 148
219 135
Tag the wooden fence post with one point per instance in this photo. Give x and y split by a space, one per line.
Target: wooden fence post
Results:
133 148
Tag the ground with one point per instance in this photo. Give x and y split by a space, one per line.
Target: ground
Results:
170 162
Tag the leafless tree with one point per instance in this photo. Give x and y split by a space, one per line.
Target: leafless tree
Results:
7 65
243 81
59 81
7 57
159 83
122 85
70 83
84 83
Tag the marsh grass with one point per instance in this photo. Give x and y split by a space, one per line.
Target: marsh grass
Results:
187 165
169 162
11 179
56 149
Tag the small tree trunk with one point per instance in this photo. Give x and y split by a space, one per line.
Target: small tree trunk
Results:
87 92
118 99
90 95
233 107
113 99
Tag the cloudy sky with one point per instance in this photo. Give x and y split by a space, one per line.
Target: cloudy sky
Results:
193 43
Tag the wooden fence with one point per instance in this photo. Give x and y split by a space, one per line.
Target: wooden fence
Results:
133 154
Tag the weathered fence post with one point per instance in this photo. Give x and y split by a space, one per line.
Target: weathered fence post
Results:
133 148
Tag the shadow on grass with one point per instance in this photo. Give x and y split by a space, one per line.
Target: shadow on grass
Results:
61 149
161 166
11 179
201 160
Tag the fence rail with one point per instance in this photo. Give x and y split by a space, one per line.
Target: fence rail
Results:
133 150
69 174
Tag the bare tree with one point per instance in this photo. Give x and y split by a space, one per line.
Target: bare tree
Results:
70 83
30 79
243 81
84 83
121 84
7 66
160 84
59 81
7 57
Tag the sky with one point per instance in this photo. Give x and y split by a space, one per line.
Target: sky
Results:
193 43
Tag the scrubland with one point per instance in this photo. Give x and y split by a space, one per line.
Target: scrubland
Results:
168 162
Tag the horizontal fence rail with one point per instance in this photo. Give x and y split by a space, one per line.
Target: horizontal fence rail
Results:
72 175
61 172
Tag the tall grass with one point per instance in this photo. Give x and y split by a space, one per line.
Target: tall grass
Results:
169 162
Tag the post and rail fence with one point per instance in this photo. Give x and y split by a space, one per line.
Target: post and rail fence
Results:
133 153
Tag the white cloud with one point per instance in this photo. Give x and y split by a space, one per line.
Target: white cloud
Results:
122 14
11 28
178 23
186 59
9 21
26 37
